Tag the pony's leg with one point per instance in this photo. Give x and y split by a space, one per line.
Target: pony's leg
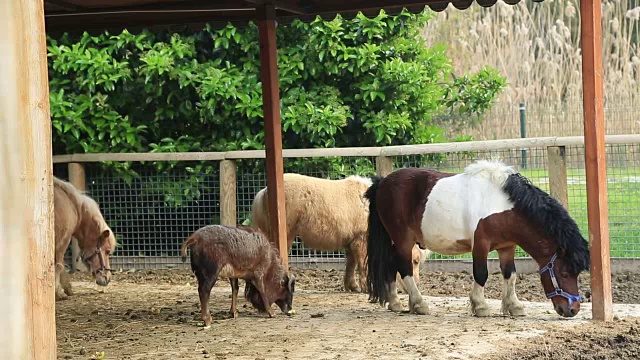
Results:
350 272
404 262
359 248
60 294
65 282
234 297
259 284
510 303
394 300
479 306
205 283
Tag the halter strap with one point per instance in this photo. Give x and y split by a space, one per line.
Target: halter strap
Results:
557 290
98 253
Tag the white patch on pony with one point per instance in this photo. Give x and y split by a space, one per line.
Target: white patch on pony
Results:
479 305
361 179
394 300
412 289
510 303
494 171
454 208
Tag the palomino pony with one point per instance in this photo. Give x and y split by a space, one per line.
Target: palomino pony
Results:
78 216
488 207
327 215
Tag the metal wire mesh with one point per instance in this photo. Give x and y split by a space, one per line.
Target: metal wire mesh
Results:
153 213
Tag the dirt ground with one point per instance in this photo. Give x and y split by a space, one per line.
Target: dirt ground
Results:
154 315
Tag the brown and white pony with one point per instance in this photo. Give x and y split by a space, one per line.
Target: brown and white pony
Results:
78 216
488 207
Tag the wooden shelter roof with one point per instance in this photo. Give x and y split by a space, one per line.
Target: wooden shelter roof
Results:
70 15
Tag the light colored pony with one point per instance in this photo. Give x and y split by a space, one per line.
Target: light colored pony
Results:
327 215
79 216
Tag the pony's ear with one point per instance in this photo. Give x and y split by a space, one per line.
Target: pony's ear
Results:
291 282
104 236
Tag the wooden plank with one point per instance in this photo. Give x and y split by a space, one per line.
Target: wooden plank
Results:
487 145
595 158
273 129
558 174
186 156
34 125
384 165
228 212
13 232
78 179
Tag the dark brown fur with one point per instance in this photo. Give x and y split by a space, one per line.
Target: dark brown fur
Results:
239 253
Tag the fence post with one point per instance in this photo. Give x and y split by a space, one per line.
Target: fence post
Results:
384 165
77 179
228 212
523 132
558 174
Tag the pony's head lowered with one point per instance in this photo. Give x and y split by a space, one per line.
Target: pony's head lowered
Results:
96 240
570 251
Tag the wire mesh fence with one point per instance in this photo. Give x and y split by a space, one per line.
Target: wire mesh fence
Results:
152 214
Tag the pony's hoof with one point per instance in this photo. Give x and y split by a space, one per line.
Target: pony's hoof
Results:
61 296
233 314
482 312
421 308
395 307
515 310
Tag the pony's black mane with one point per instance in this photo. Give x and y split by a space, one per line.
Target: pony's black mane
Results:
550 216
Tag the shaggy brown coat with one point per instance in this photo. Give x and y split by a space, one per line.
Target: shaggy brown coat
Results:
239 253
327 215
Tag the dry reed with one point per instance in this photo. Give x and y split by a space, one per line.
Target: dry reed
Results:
537 47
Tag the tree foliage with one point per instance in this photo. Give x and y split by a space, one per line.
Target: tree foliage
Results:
359 82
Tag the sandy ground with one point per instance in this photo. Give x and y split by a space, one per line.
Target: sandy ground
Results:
154 315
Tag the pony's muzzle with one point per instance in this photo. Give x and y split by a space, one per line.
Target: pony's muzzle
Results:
568 311
103 278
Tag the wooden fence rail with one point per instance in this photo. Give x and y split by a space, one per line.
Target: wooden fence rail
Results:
487 145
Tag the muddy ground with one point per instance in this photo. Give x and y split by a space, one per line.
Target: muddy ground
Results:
154 315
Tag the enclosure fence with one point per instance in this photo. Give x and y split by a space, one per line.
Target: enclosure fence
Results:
161 198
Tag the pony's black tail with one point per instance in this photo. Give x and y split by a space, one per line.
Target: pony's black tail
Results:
381 267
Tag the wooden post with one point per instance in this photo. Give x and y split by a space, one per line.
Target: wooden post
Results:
384 165
77 178
558 174
272 128
29 331
13 231
595 158
228 213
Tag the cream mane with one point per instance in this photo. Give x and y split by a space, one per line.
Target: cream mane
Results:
82 201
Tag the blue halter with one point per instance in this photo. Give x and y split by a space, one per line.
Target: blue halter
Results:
558 291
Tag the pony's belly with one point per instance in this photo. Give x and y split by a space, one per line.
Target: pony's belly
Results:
447 242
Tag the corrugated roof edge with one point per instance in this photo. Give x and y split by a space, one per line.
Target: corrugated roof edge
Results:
198 22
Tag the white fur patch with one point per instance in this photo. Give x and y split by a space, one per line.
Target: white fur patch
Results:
411 288
455 206
361 179
494 171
